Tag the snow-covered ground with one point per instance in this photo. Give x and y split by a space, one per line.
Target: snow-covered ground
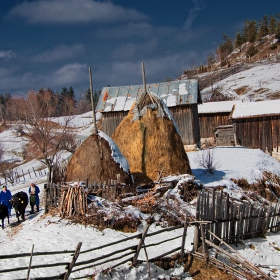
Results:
49 233
260 82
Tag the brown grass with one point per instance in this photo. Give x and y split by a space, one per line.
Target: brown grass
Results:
151 145
241 90
93 161
198 269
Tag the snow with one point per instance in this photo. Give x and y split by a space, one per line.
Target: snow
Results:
264 78
51 233
116 154
217 107
262 108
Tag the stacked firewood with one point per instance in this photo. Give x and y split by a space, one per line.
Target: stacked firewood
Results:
73 201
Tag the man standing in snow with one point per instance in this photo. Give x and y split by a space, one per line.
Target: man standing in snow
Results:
5 197
34 197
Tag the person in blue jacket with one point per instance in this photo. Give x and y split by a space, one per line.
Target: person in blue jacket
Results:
5 197
34 197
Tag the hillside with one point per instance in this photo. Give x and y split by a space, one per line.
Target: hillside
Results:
252 78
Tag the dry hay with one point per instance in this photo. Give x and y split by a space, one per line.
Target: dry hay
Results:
93 161
151 145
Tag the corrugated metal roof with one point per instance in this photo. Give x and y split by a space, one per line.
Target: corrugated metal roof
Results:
173 93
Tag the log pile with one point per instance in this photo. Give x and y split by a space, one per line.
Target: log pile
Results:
73 201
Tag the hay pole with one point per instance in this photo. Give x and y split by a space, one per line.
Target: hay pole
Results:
94 130
144 82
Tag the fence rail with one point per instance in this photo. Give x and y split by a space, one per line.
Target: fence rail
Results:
127 253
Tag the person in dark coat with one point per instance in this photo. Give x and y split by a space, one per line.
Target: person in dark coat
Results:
34 197
5 197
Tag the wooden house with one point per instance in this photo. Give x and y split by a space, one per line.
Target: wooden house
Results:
212 115
257 124
181 97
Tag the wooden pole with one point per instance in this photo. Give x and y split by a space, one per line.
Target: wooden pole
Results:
28 271
184 235
134 262
94 130
71 265
144 78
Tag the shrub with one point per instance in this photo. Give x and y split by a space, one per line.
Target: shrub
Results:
251 51
206 159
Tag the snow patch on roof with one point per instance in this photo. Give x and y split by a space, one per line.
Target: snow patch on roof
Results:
250 109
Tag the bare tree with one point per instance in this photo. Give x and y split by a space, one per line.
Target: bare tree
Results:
47 137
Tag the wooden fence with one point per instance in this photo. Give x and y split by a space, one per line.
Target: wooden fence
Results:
127 253
232 219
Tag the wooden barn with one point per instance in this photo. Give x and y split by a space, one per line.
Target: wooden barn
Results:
224 135
181 97
214 114
257 124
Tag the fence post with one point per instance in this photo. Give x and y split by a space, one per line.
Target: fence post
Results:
184 235
46 197
71 265
134 261
28 271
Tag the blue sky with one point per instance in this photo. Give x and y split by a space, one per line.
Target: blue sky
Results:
51 43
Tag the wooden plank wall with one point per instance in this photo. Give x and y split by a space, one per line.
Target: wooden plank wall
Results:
258 133
186 118
208 123
232 219
111 120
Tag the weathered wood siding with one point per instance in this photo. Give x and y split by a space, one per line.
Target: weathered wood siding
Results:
209 122
186 118
224 136
111 120
258 133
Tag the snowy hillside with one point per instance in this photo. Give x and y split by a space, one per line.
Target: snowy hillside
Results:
260 82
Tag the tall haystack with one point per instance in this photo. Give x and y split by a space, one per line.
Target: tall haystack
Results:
149 139
98 159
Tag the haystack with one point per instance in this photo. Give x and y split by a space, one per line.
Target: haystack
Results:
149 139
98 159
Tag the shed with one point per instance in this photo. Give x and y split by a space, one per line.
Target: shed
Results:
257 124
181 97
224 135
214 114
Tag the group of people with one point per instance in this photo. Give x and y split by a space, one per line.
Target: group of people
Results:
6 196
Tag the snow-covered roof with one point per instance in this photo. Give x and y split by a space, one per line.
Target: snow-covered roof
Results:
256 109
216 107
182 92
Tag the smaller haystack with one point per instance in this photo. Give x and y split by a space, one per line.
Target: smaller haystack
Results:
98 159
149 139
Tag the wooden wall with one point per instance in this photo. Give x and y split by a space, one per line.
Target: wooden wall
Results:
208 123
186 118
258 133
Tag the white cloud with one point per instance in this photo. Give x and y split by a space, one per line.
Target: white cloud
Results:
68 75
60 52
7 54
198 6
67 11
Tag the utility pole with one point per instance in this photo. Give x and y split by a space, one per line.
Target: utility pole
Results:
94 130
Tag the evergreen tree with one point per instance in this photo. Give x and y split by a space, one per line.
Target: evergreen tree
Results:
225 48
272 25
263 28
249 33
238 40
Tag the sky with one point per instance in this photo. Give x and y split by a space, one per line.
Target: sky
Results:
52 43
